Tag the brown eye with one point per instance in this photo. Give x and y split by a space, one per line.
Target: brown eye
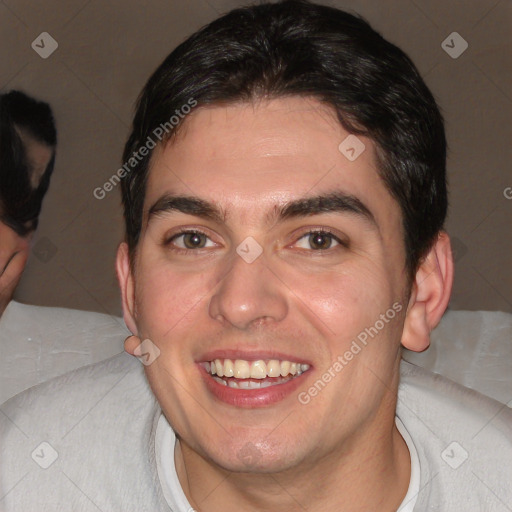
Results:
191 240
318 241
194 240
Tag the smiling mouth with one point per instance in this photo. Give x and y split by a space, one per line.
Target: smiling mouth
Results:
242 374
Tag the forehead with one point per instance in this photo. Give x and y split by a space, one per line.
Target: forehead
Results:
251 157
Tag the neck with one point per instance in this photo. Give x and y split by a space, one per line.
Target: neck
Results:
369 472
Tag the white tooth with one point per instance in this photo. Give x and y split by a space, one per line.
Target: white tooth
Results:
241 369
232 384
304 367
293 368
265 384
274 368
220 381
254 385
285 368
228 368
206 366
219 366
243 384
258 369
213 370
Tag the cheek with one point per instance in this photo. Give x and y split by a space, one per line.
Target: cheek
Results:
344 301
166 300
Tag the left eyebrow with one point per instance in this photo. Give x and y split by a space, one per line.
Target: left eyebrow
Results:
336 202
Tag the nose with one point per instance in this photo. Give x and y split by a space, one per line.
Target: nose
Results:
249 295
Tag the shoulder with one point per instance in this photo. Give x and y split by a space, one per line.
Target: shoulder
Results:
463 439
448 400
74 392
38 343
82 438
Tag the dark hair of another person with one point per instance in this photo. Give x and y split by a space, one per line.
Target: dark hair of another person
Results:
20 202
297 48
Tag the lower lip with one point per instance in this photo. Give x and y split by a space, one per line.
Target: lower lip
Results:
251 398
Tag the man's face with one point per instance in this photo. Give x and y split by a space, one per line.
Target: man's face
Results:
236 181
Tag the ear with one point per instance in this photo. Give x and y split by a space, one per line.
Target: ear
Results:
126 284
430 295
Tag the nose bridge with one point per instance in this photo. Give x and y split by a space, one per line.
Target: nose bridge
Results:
249 292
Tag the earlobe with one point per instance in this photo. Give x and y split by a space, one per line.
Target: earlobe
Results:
126 284
430 295
130 344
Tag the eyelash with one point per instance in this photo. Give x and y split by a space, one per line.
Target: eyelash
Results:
322 231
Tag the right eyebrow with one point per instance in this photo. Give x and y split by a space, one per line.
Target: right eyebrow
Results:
187 205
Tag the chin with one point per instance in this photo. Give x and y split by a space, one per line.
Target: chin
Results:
254 457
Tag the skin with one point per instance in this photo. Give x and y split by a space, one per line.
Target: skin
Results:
342 450
14 251
38 155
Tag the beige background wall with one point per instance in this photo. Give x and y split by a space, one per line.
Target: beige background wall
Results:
108 49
